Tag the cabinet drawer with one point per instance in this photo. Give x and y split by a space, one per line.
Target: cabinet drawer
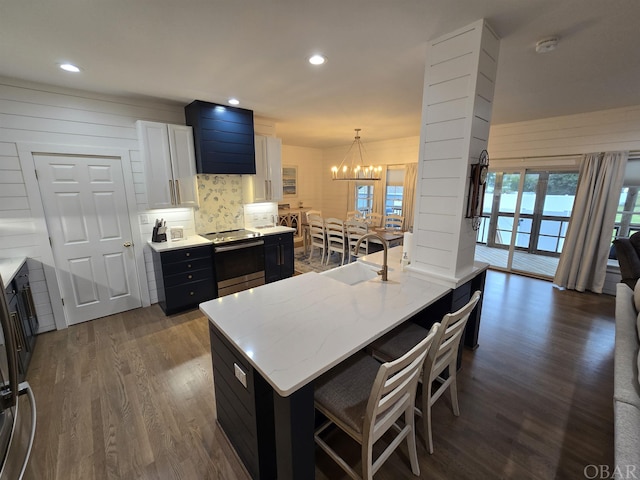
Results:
188 276
187 266
187 254
189 294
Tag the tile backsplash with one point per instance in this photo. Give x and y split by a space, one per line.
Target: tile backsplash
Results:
258 215
220 198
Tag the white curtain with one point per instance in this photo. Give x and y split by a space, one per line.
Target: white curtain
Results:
379 192
583 261
408 194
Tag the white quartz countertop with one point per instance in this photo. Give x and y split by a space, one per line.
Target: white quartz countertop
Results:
192 241
294 330
272 230
9 267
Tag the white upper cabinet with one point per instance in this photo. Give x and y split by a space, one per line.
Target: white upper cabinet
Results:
266 184
169 164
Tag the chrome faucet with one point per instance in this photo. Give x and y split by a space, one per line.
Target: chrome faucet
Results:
385 246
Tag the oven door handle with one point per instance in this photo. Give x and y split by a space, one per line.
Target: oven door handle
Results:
238 247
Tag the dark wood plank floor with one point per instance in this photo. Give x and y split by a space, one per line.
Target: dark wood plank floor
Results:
131 396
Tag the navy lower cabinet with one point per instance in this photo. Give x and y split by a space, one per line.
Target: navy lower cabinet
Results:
184 278
278 256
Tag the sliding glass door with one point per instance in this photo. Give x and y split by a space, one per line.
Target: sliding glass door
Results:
525 220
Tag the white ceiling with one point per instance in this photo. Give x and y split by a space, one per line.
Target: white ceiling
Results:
256 50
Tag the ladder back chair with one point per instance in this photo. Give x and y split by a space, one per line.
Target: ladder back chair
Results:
316 234
393 221
334 231
356 229
442 358
366 399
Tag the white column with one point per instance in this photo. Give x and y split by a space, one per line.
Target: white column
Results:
459 83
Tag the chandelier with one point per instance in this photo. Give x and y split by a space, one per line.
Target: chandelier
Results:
353 165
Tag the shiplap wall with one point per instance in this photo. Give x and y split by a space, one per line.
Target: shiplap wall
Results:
456 114
602 131
36 113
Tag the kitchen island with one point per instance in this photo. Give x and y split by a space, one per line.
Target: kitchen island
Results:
270 343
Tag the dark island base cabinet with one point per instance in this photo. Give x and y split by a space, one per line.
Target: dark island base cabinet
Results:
278 256
22 314
184 278
244 406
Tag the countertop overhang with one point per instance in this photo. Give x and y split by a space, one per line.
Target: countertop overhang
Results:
9 267
294 330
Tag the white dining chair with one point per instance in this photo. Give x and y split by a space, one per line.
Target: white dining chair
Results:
317 236
366 399
440 366
393 221
354 230
334 232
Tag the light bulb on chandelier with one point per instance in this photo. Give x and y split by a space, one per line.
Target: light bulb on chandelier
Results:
353 165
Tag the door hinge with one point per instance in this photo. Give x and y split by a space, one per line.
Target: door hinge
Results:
50 242
36 174
62 301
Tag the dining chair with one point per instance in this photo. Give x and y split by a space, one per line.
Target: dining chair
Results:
354 215
441 360
373 219
354 230
366 399
316 234
393 221
313 212
334 231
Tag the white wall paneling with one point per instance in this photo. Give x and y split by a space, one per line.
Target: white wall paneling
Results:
456 113
55 119
602 131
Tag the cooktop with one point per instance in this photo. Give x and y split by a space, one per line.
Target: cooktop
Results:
230 236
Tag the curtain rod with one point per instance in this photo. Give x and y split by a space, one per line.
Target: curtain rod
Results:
632 153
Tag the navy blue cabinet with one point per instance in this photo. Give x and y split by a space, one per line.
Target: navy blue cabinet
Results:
278 257
184 278
223 138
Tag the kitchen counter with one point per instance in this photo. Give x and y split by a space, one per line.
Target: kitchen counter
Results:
290 332
272 230
9 267
292 338
192 241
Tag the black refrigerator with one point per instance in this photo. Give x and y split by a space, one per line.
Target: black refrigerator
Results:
17 404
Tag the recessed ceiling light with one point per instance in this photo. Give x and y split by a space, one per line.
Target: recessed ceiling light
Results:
317 59
234 101
68 67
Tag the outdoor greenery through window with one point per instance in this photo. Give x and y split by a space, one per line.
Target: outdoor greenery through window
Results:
628 216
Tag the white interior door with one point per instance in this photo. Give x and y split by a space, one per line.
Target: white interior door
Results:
86 212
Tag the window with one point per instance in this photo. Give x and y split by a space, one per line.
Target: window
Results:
364 198
545 204
393 200
394 190
628 216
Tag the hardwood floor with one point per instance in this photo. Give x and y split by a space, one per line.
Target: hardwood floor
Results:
131 396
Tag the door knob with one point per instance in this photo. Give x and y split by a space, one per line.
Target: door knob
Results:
127 244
